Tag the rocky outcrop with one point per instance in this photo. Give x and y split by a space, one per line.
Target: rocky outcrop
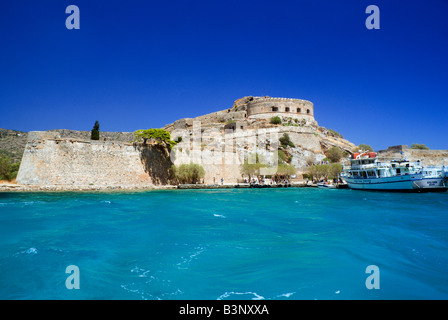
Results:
12 144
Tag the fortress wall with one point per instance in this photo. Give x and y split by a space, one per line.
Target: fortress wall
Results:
226 165
268 116
232 149
429 157
221 116
263 107
304 137
211 118
50 160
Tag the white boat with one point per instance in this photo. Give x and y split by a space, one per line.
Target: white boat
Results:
324 185
434 177
366 172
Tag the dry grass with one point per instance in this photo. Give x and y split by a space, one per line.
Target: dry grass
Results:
13 181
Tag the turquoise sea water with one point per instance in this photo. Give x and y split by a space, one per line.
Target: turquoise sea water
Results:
224 244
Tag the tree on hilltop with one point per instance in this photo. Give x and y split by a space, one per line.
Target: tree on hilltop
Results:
95 133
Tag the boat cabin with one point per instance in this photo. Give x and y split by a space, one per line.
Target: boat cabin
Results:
369 167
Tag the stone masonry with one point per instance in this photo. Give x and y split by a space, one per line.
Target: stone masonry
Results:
51 160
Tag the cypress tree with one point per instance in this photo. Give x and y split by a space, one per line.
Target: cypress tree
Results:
95 135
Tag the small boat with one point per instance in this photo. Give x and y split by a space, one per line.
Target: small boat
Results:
324 185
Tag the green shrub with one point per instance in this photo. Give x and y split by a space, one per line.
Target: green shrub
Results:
290 125
286 141
308 176
334 154
187 173
419 146
8 170
282 158
275 120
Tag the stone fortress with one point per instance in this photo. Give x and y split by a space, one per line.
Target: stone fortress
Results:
68 158
60 159
267 107
248 110
248 120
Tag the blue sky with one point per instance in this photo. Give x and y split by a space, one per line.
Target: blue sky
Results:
142 64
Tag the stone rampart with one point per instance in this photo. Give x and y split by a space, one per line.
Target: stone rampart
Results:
51 160
428 157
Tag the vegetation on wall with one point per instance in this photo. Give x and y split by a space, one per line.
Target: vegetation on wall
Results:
160 136
275 120
282 157
285 141
419 146
284 166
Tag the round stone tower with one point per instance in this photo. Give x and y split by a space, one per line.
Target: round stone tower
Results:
267 107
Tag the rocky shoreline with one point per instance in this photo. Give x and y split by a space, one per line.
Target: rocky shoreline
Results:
11 187
64 188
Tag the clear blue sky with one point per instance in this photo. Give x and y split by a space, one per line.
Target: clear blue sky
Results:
142 64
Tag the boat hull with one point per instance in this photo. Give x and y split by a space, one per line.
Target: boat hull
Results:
433 184
326 186
407 183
